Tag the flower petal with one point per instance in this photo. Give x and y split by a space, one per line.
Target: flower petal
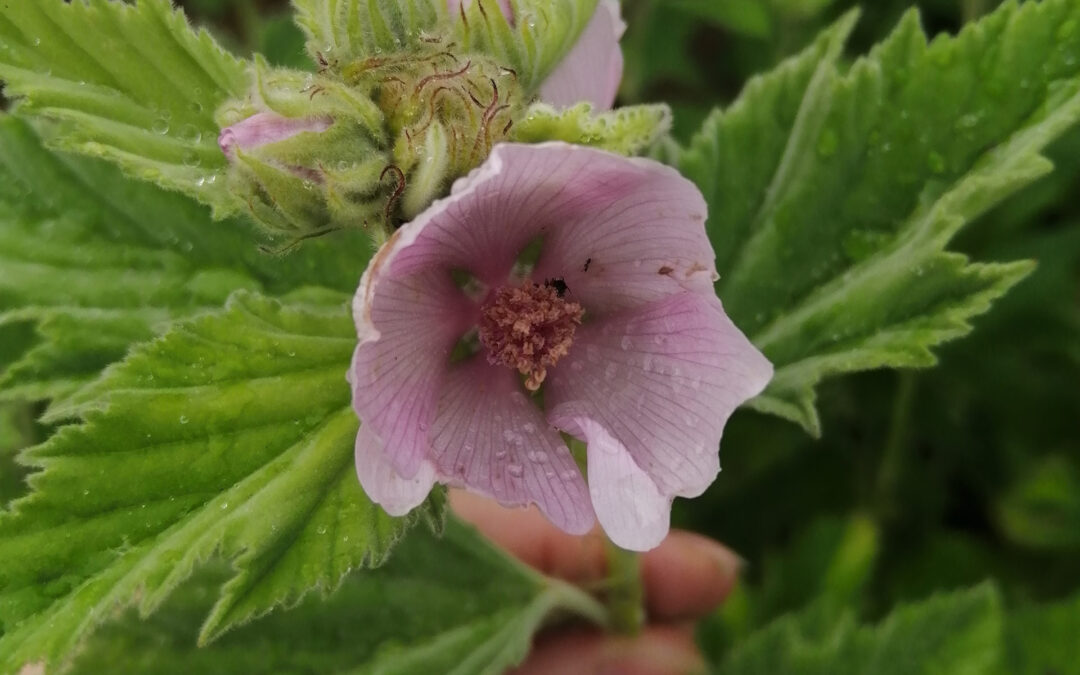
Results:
593 68
407 331
266 127
381 481
491 438
661 379
552 189
644 238
630 507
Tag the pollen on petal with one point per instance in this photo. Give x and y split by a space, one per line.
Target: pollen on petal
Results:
529 328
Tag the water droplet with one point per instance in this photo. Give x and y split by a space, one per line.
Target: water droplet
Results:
538 456
577 366
422 426
183 419
515 470
321 529
160 126
659 339
191 158
626 342
37 42
190 133
529 428
610 371
224 505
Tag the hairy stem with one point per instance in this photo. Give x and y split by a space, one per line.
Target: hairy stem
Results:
625 595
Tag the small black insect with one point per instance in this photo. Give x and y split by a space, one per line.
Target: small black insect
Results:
558 284
588 261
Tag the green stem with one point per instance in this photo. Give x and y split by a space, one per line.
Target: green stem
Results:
894 455
625 596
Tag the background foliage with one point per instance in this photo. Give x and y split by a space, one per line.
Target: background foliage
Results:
936 503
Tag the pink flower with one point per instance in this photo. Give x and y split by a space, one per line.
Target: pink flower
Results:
592 70
617 325
267 127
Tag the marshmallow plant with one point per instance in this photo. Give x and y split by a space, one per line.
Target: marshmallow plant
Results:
272 313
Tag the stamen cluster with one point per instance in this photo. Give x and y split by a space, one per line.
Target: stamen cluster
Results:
529 328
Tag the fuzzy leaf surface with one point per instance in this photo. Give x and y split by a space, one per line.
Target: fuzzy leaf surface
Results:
956 633
450 605
92 262
132 83
233 435
834 191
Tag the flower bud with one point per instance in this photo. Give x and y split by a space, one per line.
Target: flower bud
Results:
306 154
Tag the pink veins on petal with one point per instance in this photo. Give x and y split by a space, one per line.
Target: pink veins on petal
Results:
582 275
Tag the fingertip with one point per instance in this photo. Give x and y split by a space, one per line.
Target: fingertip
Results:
688 576
660 650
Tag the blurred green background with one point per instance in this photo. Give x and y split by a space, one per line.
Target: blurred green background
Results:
923 481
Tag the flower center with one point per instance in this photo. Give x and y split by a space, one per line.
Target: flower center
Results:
529 328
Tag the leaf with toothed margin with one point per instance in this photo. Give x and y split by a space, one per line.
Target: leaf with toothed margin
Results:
833 192
92 262
131 83
230 435
454 604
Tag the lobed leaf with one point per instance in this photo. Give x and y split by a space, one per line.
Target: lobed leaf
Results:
833 193
131 83
454 604
232 435
958 633
91 262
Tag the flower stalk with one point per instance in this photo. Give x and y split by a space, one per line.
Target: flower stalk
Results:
625 599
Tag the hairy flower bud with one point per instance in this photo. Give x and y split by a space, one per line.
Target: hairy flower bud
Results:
366 142
444 112
307 154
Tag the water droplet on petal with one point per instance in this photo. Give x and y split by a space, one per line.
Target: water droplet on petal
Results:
610 371
515 470
626 342
529 428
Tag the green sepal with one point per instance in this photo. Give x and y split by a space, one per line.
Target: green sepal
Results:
628 131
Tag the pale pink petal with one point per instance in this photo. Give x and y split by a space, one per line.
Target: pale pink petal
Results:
408 327
643 238
381 481
593 69
489 437
504 5
662 380
266 127
630 507
523 192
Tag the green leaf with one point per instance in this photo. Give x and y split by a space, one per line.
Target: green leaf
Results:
628 131
233 435
345 30
749 17
450 605
958 633
91 262
543 32
833 193
1041 639
132 83
1042 510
